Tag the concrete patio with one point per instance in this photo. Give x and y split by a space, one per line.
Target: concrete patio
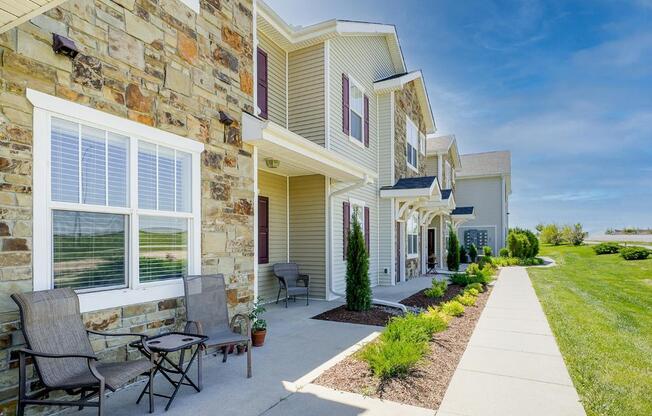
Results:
295 348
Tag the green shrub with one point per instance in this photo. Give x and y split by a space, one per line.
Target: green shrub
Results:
467 299
573 234
486 250
550 234
506 261
504 252
453 256
518 244
358 287
463 258
473 291
606 248
413 328
473 253
473 268
634 253
461 279
437 290
453 308
475 286
389 359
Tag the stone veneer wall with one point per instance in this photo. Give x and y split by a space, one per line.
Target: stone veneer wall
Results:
155 62
407 104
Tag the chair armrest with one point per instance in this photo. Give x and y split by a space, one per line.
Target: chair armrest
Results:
50 355
117 334
282 281
305 278
239 316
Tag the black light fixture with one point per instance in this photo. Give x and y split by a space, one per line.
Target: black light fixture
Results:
64 46
225 118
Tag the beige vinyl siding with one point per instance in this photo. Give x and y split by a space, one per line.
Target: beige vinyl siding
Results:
308 229
276 79
365 59
431 165
367 194
385 171
273 187
306 100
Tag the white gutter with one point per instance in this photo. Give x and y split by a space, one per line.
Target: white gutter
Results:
331 284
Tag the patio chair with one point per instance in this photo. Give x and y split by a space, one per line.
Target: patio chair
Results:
432 264
288 280
58 343
208 315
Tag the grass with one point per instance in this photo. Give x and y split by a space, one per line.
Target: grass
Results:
599 308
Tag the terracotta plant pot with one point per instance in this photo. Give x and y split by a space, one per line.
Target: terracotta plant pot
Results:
258 338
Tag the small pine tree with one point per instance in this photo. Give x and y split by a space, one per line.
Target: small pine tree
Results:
358 288
473 253
463 258
453 257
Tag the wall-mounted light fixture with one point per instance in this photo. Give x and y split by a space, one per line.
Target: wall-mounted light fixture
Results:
272 163
64 46
225 118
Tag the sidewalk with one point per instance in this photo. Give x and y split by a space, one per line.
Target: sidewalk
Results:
512 365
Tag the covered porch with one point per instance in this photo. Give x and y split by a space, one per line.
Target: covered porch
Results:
293 180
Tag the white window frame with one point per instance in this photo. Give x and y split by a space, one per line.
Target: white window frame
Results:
353 203
412 255
409 142
352 138
47 106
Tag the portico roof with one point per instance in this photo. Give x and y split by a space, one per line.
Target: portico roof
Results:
420 187
296 155
463 211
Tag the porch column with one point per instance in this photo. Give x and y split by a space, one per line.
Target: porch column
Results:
442 258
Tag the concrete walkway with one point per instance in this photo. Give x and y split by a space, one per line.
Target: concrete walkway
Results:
512 365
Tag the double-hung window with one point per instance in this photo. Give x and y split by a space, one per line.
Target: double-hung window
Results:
356 111
118 202
412 144
413 236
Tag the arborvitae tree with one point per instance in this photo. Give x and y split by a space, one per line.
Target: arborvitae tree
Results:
358 288
473 253
463 258
453 257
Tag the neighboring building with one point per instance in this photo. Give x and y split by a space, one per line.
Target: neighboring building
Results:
484 182
117 175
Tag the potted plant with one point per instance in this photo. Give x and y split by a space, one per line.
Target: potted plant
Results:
258 325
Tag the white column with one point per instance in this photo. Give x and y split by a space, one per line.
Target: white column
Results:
401 267
442 230
424 249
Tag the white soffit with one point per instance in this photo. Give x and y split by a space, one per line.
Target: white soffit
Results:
15 12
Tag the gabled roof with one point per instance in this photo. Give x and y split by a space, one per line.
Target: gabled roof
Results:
446 193
296 37
398 81
462 211
488 164
436 145
423 186
15 12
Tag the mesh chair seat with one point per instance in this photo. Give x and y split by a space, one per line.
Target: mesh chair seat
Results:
115 374
220 337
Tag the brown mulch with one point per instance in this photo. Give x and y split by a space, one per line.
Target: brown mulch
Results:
426 386
420 300
377 315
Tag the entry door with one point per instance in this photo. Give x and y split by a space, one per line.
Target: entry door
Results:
431 248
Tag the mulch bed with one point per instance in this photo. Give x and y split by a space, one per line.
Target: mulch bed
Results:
426 386
377 315
420 300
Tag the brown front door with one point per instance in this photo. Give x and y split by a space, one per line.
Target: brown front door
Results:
431 248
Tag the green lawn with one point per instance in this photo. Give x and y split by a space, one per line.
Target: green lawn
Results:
600 310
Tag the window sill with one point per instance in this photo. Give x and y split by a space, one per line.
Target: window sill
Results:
357 142
413 256
105 299
413 168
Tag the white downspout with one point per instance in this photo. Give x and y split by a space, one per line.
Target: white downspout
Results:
331 284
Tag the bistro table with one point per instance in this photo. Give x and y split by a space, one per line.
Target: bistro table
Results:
164 344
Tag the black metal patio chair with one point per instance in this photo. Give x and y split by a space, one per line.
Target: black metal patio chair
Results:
288 280
208 315
58 342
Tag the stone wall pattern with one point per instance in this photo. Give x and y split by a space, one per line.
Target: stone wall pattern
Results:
157 63
407 104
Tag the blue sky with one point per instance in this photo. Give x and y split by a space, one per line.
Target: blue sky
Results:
565 85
